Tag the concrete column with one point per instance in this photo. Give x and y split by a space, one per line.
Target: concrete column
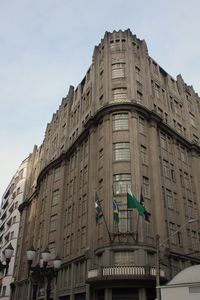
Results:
155 182
88 292
108 294
142 294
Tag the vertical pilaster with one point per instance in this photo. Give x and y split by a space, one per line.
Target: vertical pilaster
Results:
108 294
142 294
155 179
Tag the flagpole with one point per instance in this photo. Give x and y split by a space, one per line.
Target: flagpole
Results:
138 218
107 227
137 226
104 219
118 210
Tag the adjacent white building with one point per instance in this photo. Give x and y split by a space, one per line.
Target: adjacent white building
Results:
185 285
9 224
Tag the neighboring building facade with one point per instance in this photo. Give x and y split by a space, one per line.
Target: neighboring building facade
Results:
128 123
9 226
185 285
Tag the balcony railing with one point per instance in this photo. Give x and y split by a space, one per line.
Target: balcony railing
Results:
141 272
123 270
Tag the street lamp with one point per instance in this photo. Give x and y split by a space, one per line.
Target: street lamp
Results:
40 271
158 246
8 253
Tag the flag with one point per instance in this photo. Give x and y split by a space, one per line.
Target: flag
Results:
115 212
132 202
98 210
147 215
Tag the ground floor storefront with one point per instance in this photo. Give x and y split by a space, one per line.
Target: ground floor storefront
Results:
115 293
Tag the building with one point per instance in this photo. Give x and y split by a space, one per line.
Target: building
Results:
127 124
9 224
185 285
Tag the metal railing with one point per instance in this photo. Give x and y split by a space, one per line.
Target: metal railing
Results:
124 271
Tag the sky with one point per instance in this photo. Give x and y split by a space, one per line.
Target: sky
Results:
46 46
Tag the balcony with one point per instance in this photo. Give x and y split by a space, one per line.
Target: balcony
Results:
123 272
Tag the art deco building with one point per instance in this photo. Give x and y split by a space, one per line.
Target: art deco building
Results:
128 123
9 224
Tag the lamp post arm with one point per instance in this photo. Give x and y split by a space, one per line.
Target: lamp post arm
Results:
175 232
157 268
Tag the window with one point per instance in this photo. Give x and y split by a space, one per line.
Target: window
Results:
170 202
166 169
194 239
52 249
146 191
120 94
141 125
120 121
124 221
84 204
21 174
173 177
189 207
101 129
83 237
172 230
182 155
195 139
55 197
118 70
179 128
101 158
143 150
121 182
157 91
86 148
112 46
56 174
85 175
192 121
187 181
155 67
179 236
138 74
125 258
189 238
139 96
163 141
121 151
71 184
101 75
67 248
69 217
53 223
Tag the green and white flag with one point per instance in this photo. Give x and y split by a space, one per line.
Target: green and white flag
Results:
132 202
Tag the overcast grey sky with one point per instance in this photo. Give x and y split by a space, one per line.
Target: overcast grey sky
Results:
47 45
